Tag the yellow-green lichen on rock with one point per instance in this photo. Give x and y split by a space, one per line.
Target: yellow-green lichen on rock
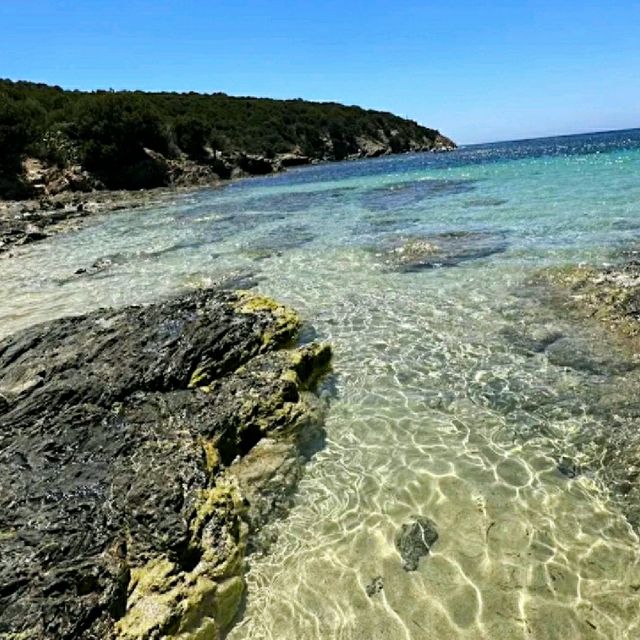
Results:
308 364
198 377
287 321
211 455
166 601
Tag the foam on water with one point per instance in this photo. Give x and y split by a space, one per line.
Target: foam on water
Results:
440 407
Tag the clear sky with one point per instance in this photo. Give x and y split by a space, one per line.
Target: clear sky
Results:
477 70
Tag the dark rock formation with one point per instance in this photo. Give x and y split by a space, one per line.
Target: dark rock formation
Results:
415 540
138 447
292 159
568 467
375 586
256 165
443 249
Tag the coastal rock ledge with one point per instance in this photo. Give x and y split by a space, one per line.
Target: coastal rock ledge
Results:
139 448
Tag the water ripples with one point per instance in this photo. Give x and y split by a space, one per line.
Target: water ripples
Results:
459 394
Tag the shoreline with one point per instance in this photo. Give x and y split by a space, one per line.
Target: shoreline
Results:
33 219
23 222
529 405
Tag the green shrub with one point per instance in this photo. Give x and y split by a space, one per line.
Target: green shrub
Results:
112 132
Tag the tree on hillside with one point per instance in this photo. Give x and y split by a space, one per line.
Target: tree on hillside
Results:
112 132
21 124
193 135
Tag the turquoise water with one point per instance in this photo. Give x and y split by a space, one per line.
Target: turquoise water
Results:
436 408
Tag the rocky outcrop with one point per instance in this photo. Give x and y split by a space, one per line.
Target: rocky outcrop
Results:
294 159
50 180
24 222
31 225
139 450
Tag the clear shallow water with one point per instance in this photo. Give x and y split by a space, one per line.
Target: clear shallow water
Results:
437 410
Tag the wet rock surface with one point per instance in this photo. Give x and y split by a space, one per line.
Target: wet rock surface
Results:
414 540
442 250
138 450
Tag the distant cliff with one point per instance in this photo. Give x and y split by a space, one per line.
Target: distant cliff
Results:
131 140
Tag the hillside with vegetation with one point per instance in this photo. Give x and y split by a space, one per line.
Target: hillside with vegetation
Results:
52 139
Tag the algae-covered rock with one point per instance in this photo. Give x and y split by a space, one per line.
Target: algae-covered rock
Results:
415 540
604 302
121 513
609 294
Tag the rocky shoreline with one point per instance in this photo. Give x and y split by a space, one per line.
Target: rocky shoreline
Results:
27 221
140 451
67 198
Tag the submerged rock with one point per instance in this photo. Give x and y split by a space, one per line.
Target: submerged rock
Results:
590 358
604 302
138 448
277 240
415 540
484 202
568 467
443 249
530 342
402 195
609 294
375 586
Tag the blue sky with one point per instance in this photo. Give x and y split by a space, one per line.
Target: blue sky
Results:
478 71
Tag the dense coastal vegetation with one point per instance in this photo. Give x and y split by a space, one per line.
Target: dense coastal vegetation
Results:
131 140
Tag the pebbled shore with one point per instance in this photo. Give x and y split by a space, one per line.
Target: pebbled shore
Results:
140 451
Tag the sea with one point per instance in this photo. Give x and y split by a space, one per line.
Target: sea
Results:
445 402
